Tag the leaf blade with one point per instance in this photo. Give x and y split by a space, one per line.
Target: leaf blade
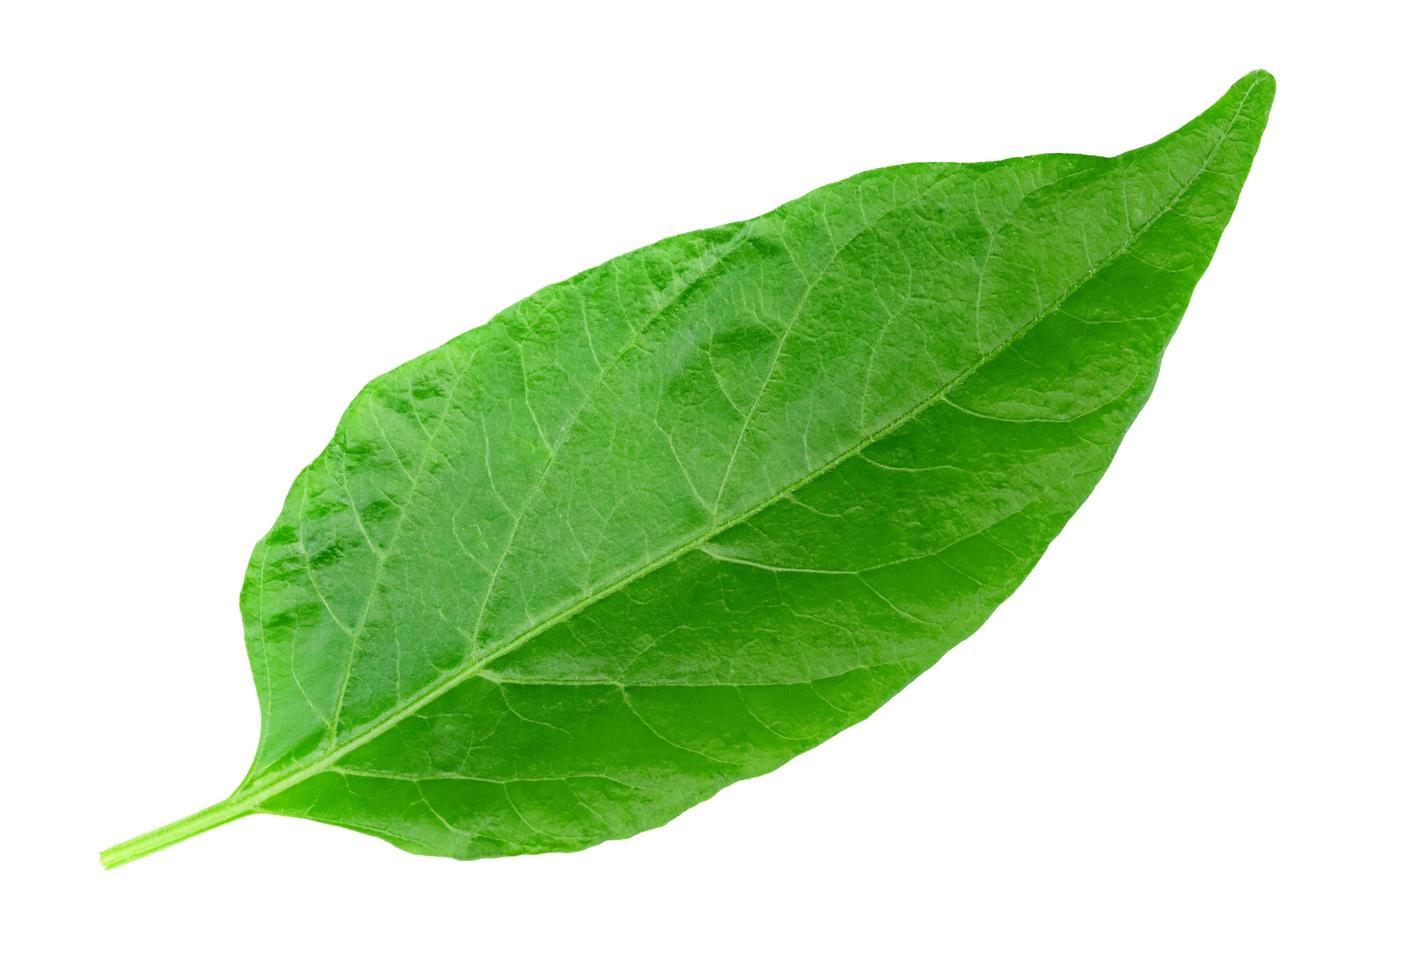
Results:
962 345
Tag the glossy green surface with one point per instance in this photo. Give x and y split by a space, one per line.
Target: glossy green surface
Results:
669 523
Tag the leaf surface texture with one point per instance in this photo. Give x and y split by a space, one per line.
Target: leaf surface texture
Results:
669 523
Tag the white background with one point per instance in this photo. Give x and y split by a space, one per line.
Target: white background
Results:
1180 750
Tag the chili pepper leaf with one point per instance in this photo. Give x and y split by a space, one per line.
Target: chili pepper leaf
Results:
669 523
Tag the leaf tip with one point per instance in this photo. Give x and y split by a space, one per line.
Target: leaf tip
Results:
1257 89
1261 77
1258 102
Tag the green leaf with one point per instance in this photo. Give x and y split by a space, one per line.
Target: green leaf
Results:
669 523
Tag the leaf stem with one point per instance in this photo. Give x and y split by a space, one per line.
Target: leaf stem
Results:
173 833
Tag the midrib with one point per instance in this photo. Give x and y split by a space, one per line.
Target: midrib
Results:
250 800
